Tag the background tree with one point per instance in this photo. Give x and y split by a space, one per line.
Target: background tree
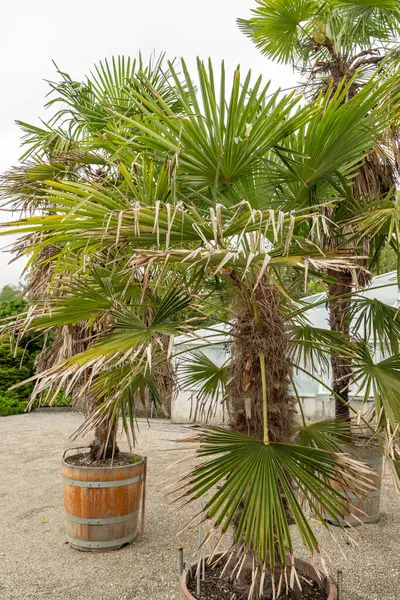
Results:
73 145
10 292
336 43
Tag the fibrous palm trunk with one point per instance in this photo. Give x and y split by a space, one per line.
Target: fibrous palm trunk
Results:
339 321
261 331
104 446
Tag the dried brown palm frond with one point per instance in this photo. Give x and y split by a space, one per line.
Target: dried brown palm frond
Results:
65 343
22 187
376 176
39 279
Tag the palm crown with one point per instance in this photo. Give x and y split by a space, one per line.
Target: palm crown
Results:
306 31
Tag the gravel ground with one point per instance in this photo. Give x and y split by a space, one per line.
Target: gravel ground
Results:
35 563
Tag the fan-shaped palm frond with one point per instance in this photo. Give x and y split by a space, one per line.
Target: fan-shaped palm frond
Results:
381 218
132 329
206 380
379 379
48 140
324 163
277 27
295 30
367 20
222 132
117 391
313 347
203 376
330 435
377 322
262 478
86 107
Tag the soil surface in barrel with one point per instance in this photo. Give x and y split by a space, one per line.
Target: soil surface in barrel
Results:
84 460
215 587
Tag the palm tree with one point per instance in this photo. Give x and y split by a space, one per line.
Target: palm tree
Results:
192 219
330 44
327 42
72 146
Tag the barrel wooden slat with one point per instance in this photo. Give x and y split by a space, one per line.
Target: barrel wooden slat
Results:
113 511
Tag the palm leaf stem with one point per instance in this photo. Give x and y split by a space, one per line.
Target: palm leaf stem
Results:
264 397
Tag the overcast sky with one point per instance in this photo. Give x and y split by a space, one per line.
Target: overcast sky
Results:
78 33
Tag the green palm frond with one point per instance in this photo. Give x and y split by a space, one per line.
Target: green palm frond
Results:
326 159
365 20
376 322
330 435
145 180
71 310
48 140
82 300
381 218
129 339
86 107
83 109
117 390
204 377
305 30
262 480
277 27
379 379
313 347
134 328
222 132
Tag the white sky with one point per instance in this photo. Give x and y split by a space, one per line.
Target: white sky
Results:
77 33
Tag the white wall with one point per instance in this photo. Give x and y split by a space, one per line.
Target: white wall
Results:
183 410
315 408
184 405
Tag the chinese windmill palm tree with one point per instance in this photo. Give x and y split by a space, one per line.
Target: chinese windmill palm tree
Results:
330 43
157 265
71 146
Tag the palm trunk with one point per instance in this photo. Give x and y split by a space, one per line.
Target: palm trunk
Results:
264 334
104 446
261 380
339 311
166 377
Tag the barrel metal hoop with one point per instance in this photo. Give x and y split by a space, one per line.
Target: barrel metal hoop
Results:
109 521
109 544
102 484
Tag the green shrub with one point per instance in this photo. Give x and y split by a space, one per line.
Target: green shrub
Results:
11 403
16 366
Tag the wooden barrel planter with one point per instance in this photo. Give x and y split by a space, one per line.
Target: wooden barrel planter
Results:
303 568
360 510
102 504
